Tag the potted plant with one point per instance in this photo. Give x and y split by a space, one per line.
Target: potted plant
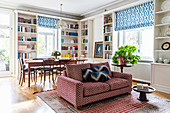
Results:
56 54
125 55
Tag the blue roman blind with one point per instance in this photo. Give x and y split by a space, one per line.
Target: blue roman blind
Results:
47 22
135 17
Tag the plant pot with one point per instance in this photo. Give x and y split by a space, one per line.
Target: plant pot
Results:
56 57
122 60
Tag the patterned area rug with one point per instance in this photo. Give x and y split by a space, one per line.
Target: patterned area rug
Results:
120 104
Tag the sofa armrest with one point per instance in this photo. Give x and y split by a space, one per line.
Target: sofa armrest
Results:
123 75
64 73
70 89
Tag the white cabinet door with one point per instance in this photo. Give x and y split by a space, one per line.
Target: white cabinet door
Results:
160 78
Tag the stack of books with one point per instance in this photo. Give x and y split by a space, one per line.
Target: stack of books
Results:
141 86
107 20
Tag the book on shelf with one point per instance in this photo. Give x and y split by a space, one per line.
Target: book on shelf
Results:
74 41
26 55
85 26
27 47
26 29
107 29
108 56
69 33
29 21
24 38
72 26
84 48
85 33
107 20
69 47
108 47
108 38
84 41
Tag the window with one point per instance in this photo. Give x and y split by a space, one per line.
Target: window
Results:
47 41
142 38
6 41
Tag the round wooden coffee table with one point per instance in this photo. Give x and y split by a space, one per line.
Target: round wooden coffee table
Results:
142 96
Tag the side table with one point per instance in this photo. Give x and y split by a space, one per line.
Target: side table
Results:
142 96
122 66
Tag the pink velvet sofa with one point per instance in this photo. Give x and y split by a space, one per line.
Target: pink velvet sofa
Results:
71 88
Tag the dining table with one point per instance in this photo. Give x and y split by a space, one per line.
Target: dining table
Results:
36 63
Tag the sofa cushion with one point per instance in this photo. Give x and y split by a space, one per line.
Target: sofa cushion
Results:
105 63
100 76
86 73
116 83
74 70
92 88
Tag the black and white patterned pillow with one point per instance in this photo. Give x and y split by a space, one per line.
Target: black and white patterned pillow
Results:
86 73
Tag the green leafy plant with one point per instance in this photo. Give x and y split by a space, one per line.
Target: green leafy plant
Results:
126 52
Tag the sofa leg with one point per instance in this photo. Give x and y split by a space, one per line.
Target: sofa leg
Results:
77 107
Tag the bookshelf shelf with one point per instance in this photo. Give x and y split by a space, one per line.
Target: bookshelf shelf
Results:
162 12
69 43
27 33
26 50
69 36
68 29
161 25
27 42
162 50
107 24
20 23
159 38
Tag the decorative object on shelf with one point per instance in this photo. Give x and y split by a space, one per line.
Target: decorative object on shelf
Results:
160 60
98 53
165 5
165 19
125 55
165 46
168 32
166 61
56 54
61 24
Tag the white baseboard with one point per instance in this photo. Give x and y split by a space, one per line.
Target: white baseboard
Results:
140 80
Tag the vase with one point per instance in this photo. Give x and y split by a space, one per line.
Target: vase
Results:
122 60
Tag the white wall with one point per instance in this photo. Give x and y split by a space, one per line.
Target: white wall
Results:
141 71
97 31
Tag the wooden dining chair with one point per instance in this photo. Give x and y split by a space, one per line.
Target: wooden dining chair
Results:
48 66
24 69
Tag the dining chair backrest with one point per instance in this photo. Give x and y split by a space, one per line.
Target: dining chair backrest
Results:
39 58
72 62
48 62
21 63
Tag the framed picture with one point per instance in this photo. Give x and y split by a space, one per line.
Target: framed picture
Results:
98 52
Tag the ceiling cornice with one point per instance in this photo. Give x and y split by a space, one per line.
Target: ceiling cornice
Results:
39 10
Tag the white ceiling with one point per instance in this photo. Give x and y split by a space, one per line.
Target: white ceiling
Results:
77 7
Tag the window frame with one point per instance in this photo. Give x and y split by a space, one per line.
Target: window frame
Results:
139 40
46 34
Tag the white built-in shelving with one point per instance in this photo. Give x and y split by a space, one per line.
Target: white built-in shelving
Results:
107 36
26 33
86 39
69 39
160 78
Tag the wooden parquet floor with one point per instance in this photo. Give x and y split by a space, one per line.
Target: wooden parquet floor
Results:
20 99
